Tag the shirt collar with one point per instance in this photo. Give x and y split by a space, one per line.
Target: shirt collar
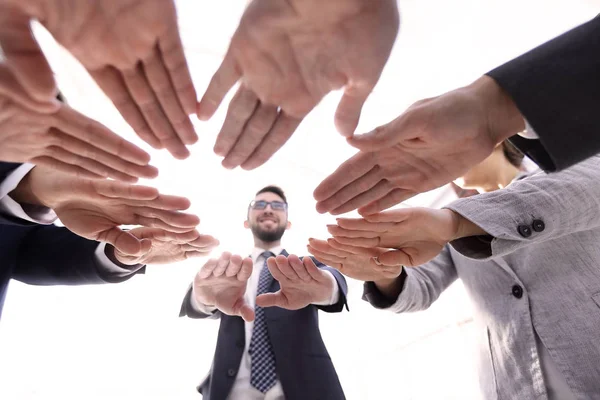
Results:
257 251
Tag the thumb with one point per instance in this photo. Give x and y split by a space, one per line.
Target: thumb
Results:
393 258
24 56
379 138
10 89
125 242
348 111
247 312
270 300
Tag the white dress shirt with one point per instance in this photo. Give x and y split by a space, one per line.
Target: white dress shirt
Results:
42 215
528 133
242 389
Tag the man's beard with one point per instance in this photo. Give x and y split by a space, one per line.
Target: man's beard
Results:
267 236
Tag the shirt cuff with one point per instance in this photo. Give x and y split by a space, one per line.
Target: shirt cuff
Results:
335 293
528 133
27 212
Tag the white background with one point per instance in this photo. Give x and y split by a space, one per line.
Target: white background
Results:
126 341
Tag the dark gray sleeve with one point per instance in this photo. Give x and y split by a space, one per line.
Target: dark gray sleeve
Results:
556 86
188 310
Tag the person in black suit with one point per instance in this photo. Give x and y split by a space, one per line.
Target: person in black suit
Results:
271 350
36 252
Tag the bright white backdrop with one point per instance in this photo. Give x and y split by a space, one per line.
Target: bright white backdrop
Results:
126 342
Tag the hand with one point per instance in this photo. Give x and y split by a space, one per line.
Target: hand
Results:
301 282
95 209
222 283
289 55
65 140
164 247
417 234
132 49
353 261
432 143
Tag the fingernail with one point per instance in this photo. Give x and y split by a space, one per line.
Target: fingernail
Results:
376 261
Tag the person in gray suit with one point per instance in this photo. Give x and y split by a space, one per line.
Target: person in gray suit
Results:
528 257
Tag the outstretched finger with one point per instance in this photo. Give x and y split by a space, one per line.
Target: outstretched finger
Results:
222 81
348 111
207 269
283 129
245 270
346 174
394 197
24 56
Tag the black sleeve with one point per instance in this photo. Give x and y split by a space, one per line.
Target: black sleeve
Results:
49 255
556 86
187 310
374 295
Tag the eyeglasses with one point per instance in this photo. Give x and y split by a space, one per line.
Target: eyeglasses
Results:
262 204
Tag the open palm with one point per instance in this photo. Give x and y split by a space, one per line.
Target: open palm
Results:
301 283
289 55
95 209
418 234
168 247
141 65
354 262
222 283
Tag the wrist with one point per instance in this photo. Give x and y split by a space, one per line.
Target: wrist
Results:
385 284
464 227
24 193
391 288
503 117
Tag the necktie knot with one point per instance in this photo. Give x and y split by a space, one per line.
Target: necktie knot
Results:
267 254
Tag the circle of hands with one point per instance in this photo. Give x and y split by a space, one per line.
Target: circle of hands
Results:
285 71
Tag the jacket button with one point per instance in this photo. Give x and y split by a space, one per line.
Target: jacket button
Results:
524 230
517 291
231 372
538 225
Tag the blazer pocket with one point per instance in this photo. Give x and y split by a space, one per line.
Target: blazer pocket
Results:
596 299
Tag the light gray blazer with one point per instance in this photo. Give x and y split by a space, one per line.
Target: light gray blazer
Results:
528 276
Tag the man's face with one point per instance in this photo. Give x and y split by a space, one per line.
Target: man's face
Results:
267 224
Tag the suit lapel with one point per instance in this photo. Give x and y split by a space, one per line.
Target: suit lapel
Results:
504 265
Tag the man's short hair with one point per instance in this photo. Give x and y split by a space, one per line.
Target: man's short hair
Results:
273 189
512 154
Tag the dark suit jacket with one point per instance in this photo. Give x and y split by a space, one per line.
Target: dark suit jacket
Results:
556 86
304 367
5 170
45 254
